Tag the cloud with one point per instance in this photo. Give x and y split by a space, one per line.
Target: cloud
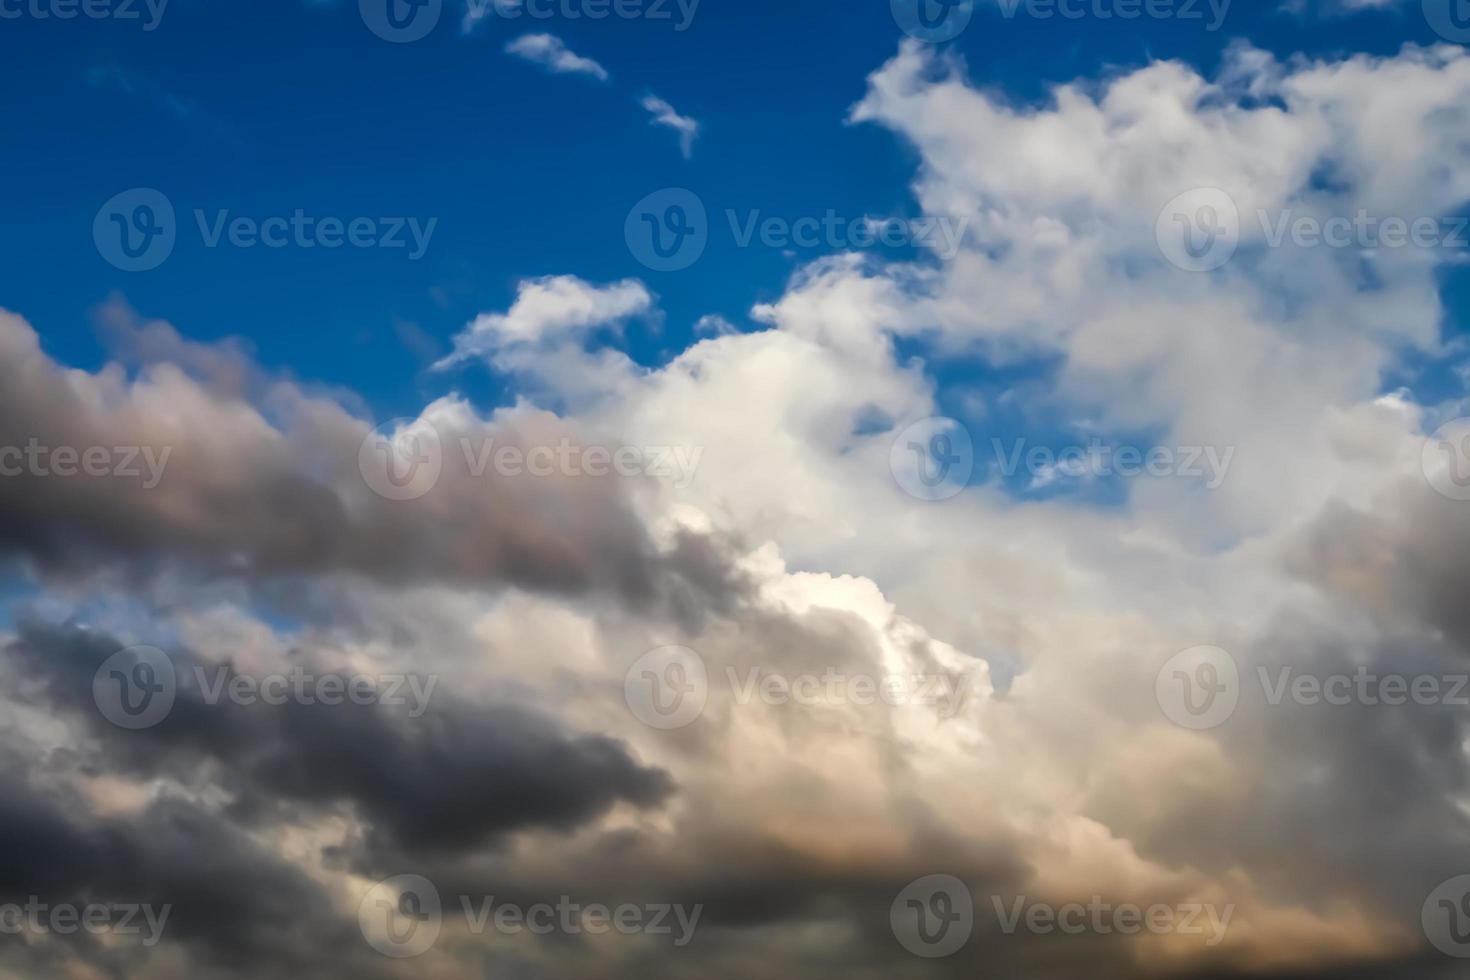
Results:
549 51
665 115
795 551
548 310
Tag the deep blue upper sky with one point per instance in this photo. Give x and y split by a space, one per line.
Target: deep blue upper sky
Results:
267 106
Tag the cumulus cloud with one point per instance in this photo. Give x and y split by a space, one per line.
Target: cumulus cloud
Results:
1051 773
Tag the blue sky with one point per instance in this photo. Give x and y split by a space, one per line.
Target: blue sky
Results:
1136 447
277 105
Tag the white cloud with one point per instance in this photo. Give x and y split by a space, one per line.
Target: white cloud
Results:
549 51
665 115
550 309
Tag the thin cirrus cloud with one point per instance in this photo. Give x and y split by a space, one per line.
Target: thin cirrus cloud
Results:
551 53
665 115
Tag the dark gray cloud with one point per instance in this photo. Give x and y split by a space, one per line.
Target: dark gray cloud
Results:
456 777
262 479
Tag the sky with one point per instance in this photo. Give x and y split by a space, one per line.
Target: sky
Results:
724 488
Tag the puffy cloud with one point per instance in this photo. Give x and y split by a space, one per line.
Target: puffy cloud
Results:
1052 773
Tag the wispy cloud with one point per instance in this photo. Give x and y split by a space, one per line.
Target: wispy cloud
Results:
549 52
665 115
